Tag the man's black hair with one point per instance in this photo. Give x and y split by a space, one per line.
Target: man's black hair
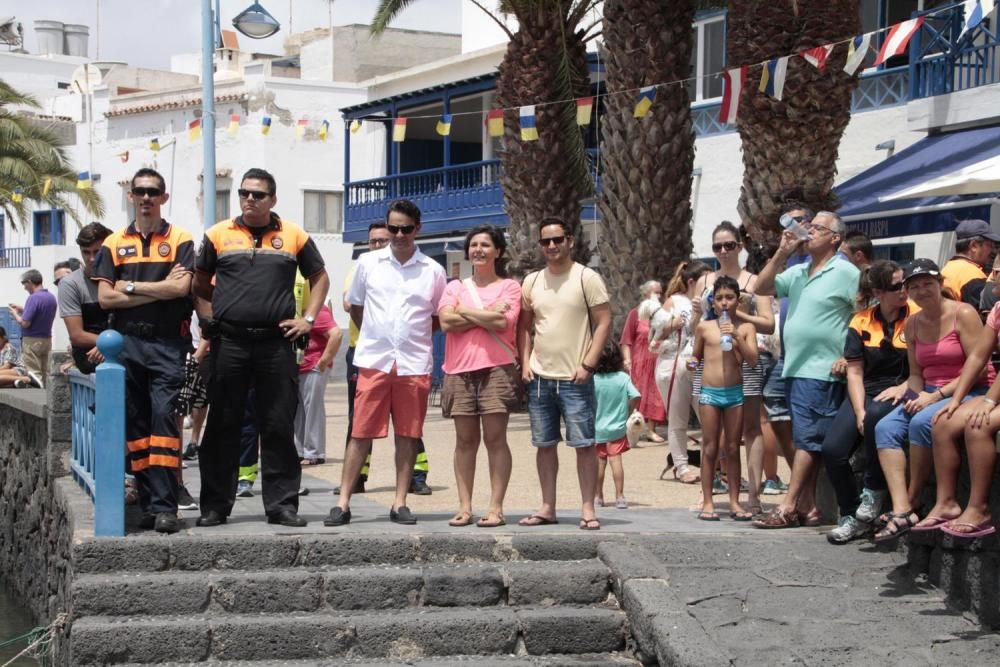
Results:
152 173
261 175
406 207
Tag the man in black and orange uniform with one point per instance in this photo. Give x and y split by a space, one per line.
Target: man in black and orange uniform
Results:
249 314
975 245
144 278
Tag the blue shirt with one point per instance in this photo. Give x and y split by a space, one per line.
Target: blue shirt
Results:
39 311
613 392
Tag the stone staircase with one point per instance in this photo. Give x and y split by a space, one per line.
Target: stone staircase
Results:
341 598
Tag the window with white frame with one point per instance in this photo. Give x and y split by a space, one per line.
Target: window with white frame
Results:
222 204
323 212
708 57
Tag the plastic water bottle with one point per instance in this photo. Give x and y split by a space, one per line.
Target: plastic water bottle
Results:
790 224
726 341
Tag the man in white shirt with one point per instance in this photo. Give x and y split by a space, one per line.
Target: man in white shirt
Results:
393 297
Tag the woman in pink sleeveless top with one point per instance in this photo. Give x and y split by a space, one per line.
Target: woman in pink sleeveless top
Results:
977 423
939 340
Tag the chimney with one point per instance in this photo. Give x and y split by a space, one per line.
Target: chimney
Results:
49 35
76 37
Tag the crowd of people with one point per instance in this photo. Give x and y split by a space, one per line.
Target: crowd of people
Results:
809 353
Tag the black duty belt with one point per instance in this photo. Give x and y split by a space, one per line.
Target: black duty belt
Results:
149 329
250 333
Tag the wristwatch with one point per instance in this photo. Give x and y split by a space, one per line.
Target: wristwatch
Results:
130 287
310 319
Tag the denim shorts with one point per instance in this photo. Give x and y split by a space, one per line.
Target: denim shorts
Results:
576 404
775 402
899 426
813 404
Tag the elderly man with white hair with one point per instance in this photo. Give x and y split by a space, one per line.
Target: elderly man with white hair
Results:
821 294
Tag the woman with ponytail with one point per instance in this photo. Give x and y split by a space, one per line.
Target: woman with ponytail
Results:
676 322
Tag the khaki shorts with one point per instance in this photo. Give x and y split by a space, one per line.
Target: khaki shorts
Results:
483 392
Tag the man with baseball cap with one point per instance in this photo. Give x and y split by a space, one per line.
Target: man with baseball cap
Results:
975 245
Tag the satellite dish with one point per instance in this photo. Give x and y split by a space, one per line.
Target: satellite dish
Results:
86 78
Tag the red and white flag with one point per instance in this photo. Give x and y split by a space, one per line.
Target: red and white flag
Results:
732 80
897 39
817 57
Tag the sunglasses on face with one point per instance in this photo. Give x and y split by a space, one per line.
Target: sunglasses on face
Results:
253 194
553 240
895 287
396 229
728 246
151 192
377 243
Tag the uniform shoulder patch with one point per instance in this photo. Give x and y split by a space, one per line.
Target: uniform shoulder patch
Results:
163 249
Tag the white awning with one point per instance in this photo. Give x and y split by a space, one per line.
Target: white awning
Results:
977 178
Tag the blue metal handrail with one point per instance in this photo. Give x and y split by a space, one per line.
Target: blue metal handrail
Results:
944 60
98 436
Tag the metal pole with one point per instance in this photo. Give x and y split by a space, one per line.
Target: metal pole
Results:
208 113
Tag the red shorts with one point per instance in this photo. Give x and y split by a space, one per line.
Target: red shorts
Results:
613 448
383 394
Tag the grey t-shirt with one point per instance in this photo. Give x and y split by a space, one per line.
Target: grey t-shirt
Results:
74 291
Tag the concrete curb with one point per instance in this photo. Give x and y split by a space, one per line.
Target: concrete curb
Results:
664 631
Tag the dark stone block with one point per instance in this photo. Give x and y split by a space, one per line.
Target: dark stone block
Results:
357 550
268 592
124 595
557 582
374 588
433 548
549 547
285 637
571 630
99 642
415 634
232 552
463 586
134 554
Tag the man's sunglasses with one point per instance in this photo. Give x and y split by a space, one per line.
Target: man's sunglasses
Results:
396 229
728 246
253 194
142 192
554 240
895 287
377 243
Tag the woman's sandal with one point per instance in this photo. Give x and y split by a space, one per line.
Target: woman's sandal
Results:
777 519
461 519
687 477
498 521
811 519
935 523
590 524
899 524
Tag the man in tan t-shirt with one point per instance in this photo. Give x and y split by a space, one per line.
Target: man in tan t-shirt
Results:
565 306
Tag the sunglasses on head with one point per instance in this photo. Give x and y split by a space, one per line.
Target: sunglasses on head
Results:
728 246
552 240
396 229
142 192
253 194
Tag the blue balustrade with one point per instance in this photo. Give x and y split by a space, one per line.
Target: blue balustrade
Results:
15 258
944 60
98 438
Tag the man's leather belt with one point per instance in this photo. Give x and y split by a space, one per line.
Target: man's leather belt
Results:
250 333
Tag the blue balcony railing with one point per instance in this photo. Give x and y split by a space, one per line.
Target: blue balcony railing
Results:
15 258
98 436
943 60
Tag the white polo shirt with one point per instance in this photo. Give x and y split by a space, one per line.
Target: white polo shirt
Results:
399 301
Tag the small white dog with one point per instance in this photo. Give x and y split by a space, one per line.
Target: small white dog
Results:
647 311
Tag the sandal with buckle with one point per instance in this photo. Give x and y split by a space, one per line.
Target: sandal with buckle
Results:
898 525
777 519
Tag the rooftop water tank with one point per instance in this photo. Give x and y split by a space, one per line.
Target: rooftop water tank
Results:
49 35
76 39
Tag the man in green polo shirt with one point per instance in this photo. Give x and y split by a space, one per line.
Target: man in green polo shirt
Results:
821 295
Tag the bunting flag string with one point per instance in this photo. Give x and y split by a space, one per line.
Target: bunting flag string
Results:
817 56
194 129
355 126
399 130
857 51
647 95
584 110
83 181
772 80
17 196
234 125
324 130
123 156
732 90
899 36
529 132
444 125
494 122
300 128
265 125
154 144
47 186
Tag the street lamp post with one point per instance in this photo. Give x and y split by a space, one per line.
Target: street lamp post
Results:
208 113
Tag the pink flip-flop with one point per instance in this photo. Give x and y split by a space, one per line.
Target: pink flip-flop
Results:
982 530
938 524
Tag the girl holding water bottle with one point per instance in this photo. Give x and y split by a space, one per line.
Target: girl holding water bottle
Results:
723 344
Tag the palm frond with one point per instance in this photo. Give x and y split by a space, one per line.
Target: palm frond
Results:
386 12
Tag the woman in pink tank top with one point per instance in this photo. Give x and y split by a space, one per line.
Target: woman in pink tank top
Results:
940 339
976 422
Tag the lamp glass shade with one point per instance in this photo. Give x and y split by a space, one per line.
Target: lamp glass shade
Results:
255 22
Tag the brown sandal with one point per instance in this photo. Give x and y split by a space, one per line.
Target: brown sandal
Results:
461 519
498 520
777 519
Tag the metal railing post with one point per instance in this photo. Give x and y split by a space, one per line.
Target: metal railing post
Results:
109 473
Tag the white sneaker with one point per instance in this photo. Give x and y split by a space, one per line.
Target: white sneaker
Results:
849 529
36 379
871 505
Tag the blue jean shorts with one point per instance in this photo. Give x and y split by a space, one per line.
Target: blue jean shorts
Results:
775 402
550 400
813 405
899 426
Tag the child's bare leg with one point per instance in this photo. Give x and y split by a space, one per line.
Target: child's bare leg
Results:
733 419
618 474
711 418
602 465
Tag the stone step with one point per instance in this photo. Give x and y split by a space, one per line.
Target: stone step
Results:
417 633
562 660
517 583
145 553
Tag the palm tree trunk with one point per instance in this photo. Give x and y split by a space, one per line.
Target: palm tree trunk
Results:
545 62
646 163
790 147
